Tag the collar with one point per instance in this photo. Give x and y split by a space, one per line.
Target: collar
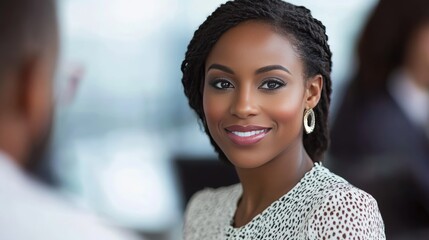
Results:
7 163
9 170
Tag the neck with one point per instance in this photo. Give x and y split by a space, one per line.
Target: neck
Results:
419 75
266 184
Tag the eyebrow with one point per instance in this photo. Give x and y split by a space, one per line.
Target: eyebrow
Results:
221 67
258 71
271 68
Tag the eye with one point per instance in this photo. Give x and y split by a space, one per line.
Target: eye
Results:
272 84
222 84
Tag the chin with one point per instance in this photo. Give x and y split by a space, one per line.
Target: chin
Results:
247 160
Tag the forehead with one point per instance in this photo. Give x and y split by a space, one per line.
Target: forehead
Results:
253 45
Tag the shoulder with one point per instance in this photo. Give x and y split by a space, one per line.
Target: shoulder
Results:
213 196
345 211
210 198
209 211
56 218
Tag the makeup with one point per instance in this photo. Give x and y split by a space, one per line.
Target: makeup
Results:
246 135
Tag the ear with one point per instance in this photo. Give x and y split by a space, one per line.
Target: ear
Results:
35 94
313 91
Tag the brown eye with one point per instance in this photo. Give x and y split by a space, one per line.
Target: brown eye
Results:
222 84
272 84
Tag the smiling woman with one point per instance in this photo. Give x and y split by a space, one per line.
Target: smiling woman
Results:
259 88
257 73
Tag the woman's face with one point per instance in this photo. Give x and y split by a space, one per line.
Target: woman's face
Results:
255 94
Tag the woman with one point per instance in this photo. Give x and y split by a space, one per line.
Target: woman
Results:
382 126
257 73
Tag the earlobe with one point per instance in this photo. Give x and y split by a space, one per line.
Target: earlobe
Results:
314 90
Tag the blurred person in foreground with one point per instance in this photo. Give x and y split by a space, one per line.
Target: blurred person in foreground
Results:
28 53
380 138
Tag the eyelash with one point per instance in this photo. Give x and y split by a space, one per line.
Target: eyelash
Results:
218 81
215 83
279 83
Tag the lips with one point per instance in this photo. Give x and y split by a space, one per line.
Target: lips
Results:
246 135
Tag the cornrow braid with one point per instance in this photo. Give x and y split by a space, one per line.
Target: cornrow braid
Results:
308 36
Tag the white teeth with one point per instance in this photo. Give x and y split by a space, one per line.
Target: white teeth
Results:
248 134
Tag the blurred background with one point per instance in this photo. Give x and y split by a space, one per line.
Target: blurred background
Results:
126 144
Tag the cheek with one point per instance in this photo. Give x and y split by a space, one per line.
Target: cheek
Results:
286 110
215 107
419 51
424 43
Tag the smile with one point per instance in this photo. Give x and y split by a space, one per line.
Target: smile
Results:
246 135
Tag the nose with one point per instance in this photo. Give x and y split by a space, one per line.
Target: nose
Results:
244 104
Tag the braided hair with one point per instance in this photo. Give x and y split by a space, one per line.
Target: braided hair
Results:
308 35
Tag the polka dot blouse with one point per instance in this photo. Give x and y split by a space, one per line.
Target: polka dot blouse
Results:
321 206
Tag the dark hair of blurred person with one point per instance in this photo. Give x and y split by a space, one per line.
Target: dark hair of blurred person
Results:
28 55
380 135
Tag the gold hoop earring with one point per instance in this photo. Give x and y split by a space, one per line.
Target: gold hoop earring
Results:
309 128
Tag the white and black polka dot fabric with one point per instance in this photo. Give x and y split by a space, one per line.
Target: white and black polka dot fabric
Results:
321 206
